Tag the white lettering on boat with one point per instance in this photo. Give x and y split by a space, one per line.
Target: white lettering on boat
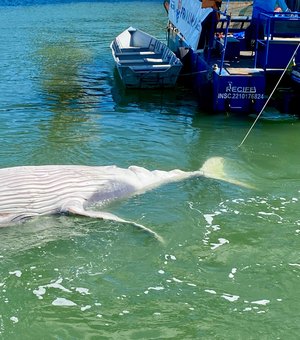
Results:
240 92
240 89
238 95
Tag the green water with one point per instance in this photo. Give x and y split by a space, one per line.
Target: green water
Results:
230 266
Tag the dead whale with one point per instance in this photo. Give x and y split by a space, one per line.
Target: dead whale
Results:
29 191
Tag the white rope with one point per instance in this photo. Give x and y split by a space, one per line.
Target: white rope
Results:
266 103
227 6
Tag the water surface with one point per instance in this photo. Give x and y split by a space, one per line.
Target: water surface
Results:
230 267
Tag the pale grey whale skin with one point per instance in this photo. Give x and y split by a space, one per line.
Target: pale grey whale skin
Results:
29 191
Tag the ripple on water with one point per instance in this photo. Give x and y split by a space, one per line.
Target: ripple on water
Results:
246 213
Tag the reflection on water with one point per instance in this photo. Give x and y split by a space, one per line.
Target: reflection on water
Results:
63 89
72 86
60 75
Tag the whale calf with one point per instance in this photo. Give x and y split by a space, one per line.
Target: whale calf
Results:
30 191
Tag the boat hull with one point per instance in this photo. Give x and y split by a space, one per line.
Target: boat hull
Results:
148 77
235 89
236 92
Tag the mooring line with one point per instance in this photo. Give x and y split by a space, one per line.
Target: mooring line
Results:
266 103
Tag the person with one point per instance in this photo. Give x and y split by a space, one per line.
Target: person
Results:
260 6
256 28
209 23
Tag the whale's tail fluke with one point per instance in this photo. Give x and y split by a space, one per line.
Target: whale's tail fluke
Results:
214 168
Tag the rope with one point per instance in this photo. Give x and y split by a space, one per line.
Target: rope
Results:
226 8
266 103
192 73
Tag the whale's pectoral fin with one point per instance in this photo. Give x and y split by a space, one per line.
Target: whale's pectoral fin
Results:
7 219
111 217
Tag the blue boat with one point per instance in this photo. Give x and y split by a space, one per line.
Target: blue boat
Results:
236 69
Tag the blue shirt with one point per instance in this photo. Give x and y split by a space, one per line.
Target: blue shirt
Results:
267 6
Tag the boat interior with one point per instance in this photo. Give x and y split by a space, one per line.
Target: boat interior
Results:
273 51
141 54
